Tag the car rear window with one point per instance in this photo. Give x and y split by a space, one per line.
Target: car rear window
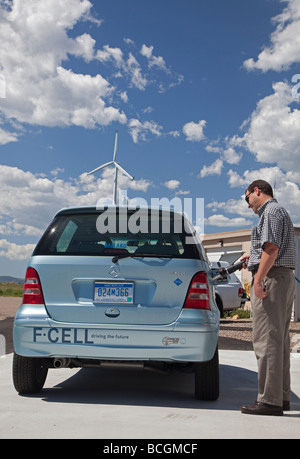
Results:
98 234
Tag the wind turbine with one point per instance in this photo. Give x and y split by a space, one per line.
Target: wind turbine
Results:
117 168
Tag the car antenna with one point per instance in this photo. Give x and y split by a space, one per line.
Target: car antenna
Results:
117 168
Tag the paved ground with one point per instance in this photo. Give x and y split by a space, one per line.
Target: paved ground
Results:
131 403
8 308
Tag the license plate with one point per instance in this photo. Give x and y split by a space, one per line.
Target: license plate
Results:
113 292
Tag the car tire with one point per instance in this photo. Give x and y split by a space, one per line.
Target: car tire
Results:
207 381
29 375
220 305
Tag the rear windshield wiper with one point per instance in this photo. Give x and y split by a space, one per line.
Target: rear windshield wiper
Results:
142 255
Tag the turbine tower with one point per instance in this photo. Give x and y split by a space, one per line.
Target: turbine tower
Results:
117 168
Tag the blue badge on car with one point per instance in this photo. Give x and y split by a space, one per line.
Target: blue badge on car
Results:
177 281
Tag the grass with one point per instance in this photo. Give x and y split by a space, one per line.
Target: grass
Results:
10 289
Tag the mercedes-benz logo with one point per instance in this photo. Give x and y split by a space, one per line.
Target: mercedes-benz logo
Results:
114 271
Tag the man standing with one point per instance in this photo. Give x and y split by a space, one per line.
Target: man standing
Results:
272 260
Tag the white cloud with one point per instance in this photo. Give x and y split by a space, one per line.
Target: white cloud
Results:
132 67
139 131
212 148
172 184
29 201
14 251
273 134
222 221
235 180
273 175
34 43
175 81
182 192
231 156
174 134
227 152
55 172
284 49
153 61
7 137
104 185
148 109
214 169
124 97
110 54
84 47
194 131
232 206
129 41
129 67
18 229
126 66
285 190
2 86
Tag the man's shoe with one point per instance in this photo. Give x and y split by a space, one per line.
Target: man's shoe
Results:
286 405
259 408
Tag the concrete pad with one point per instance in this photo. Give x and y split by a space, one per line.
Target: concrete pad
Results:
131 403
9 306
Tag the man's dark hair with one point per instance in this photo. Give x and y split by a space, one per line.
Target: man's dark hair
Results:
262 185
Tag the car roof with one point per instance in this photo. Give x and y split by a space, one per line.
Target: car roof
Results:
113 208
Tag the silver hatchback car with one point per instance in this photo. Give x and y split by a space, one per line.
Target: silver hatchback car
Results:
118 285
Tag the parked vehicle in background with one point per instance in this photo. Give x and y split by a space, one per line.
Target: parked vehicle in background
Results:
229 296
118 285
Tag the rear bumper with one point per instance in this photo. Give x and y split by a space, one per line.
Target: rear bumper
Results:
192 337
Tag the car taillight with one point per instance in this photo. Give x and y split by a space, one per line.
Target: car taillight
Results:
32 288
198 294
241 292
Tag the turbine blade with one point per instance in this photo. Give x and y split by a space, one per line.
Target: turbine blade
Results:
123 170
101 167
116 146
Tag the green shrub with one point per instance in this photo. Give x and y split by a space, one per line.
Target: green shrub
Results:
9 289
242 313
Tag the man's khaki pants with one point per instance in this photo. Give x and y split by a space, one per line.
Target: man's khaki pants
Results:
271 321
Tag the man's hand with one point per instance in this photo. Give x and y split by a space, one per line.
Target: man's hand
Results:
245 258
268 257
259 290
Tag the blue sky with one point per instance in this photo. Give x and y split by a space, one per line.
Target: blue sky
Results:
203 93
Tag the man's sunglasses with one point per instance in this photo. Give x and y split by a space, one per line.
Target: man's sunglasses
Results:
247 196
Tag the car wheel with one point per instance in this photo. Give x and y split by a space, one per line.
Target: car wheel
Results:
29 375
207 386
